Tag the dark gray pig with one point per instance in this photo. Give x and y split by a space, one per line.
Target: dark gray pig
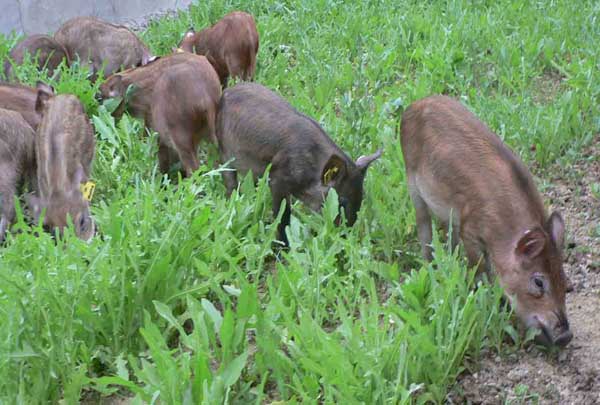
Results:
256 127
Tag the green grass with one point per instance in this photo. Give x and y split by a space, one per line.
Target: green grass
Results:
347 315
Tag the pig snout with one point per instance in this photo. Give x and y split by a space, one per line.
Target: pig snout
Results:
554 331
85 227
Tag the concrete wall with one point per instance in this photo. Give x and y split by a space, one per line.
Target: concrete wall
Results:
45 16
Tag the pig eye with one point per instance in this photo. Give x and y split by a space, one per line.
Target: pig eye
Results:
537 285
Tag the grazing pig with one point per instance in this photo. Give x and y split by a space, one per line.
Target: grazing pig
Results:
256 127
98 43
17 162
142 79
177 96
48 52
21 99
230 45
461 172
65 151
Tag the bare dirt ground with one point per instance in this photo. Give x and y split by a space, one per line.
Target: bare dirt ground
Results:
571 376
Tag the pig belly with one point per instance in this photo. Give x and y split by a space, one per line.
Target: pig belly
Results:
439 206
244 165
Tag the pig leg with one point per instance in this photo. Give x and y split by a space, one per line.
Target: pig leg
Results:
423 224
210 131
230 180
475 257
7 189
278 197
280 192
8 213
164 161
187 150
252 65
234 67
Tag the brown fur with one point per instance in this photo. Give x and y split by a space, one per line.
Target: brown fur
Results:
177 96
459 171
48 52
256 127
96 42
143 79
21 99
65 150
17 163
231 46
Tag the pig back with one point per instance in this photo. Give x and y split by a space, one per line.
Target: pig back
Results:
450 153
255 124
16 145
98 42
65 141
48 51
145 78
187 89
21 99
230 45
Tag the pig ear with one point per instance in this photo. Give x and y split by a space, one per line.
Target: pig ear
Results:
44 92
363 162
531 244
334 169
556 229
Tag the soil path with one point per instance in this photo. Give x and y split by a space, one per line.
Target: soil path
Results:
571 376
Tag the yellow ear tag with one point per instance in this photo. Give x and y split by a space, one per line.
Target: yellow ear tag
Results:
87 190
330 174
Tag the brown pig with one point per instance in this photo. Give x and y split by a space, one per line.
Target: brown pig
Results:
461 172
21 99
177 96
230 45
65 151
143 80
98 43
17 163
48 52
256 127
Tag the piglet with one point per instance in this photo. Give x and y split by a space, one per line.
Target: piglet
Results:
65 150
100 44
177 96
230 45
462 173
256 127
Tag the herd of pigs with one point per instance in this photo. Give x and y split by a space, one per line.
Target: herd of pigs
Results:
457 169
